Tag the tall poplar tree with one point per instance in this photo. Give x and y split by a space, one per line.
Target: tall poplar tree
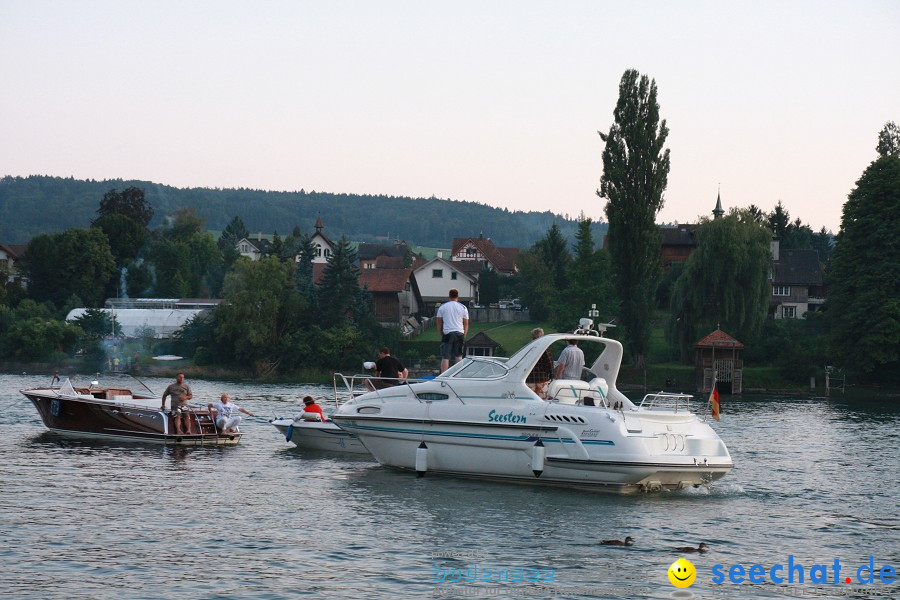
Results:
635 175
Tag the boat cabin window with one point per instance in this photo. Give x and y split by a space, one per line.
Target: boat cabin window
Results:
432 396
481 369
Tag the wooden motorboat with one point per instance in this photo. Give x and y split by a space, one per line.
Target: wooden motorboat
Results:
119 413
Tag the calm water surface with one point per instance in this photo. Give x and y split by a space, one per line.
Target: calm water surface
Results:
813 479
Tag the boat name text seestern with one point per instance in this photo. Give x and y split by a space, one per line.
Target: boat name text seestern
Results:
505 418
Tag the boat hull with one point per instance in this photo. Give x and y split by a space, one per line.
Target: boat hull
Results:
319 436
603 460
82 418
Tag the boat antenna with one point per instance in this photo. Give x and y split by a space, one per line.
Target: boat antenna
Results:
142 383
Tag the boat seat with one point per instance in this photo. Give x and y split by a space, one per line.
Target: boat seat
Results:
567 391
596 393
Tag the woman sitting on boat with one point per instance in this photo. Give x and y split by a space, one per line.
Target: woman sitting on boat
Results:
226 414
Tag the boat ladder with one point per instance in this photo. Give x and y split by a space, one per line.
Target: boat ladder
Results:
207 426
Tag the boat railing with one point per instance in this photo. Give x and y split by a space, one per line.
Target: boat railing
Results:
357 385
668 401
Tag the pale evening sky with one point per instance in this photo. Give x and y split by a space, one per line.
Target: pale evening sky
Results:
497 102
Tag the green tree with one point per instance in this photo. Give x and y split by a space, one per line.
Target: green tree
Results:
277 246
126 236
184 224
340 283
252 318
823 243
589 278
130 202
488 285
207 271
725 282
889 140
553 251
290 248
38 338
635 175
864 283
97 323
234 232
779 220
537 288
76 261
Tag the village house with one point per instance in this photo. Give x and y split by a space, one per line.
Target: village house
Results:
438 275
483 250
395 293
262 246
10 255
797 283
383 256
254 249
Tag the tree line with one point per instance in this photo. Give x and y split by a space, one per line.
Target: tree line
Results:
274 318
30 206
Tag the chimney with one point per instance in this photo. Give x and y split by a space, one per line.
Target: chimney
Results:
775 249
440 254
259 236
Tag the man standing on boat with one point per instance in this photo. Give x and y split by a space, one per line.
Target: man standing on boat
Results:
453 325
180 393
571 362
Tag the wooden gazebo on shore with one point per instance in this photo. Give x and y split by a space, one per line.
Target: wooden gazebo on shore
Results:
720 354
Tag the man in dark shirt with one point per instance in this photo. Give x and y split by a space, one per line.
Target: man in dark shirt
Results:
388 367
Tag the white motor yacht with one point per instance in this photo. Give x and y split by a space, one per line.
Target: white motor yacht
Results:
480 419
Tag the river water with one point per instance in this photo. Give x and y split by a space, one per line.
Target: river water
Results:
813 480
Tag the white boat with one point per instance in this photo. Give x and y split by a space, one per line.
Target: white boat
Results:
306 430
318 435
479 419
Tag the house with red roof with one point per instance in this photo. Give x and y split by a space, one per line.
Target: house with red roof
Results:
483 250
395 293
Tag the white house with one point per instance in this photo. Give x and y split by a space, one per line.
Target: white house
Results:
256 249
437 276
324 246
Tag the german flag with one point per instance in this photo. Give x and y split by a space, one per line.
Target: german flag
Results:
714 402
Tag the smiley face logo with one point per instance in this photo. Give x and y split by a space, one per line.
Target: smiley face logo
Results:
682 573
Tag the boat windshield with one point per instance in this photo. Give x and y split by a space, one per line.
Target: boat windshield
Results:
479 369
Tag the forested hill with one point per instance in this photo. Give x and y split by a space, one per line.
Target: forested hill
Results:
33 205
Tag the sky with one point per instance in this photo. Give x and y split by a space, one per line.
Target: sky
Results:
497 102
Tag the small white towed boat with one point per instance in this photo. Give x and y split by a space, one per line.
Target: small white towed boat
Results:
318 435
305 430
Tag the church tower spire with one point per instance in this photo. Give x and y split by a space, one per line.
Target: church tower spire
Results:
718 211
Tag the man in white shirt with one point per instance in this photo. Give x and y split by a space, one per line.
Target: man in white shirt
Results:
571 361
452 325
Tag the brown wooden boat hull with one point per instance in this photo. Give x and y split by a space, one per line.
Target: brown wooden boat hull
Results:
77 417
